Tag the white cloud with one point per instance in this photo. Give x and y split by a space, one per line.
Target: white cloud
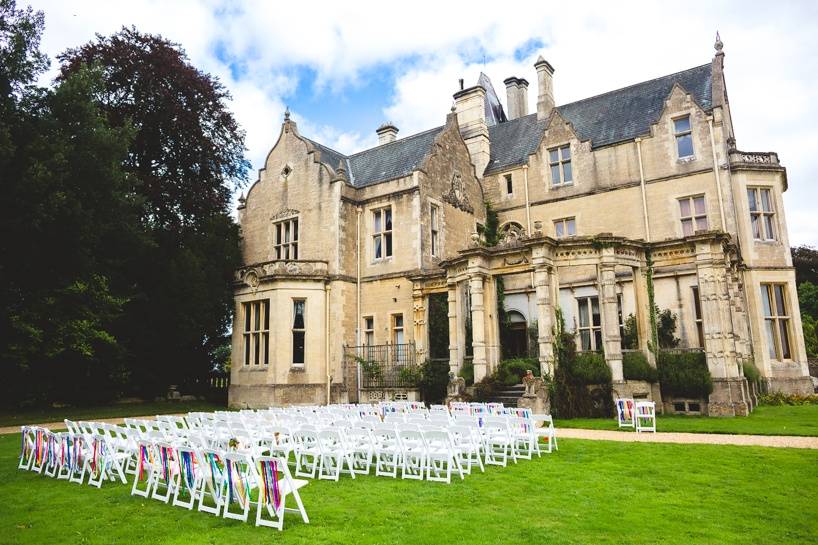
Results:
595 47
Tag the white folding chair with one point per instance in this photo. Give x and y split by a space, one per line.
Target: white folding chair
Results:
645 416
28 435
333 455
467 447
498 441
361 449
190 477
212 477
413 454
625 414
440 457
237 485
547 431
275 483
145 469
387 450
307 453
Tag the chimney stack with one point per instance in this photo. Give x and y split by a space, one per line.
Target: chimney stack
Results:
470 106
545 88
387 133
516 97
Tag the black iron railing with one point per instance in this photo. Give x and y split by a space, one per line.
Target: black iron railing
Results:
384 365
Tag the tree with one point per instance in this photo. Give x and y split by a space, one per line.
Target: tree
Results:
185 158
805 261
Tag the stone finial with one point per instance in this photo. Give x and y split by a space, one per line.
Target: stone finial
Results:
242 201
718 46
286 113
340 172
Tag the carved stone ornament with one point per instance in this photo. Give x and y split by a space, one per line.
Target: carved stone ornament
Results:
284 213
251 278
457 195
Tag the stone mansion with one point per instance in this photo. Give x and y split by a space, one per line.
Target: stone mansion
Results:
603 204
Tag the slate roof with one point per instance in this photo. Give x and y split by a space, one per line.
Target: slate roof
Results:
611 117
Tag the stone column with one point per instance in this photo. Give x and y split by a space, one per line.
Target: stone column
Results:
610 316
419 322
478 325
455 360
545 310
729 385
642 312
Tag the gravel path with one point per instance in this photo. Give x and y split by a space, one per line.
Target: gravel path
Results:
790 441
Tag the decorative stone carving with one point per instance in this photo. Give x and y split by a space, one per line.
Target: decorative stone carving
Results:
251 278
284 213
511 233
519 259
457 195
455 389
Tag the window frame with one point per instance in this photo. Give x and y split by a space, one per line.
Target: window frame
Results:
434 230
693 217
560 164
766 218
256 332
298 331
697 315
677 135
596 344
776 323
384 234
509 183
369 331
289 247
565 222
395 328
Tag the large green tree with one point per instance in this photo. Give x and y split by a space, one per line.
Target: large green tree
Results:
185 159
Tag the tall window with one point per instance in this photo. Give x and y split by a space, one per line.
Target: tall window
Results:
287 239
369 330
777 320
590 323
382 233
397 328
761 213
694 214
299 331
509 184
256 332
434 213
565 227
697 316
559 159
684 137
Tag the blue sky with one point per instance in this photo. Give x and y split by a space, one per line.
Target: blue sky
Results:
343 68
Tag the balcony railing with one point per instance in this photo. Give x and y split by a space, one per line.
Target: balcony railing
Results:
384 365
301 268
768 159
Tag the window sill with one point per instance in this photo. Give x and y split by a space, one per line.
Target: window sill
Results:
253 368
295 368
768 242
562 186
382 260
688 159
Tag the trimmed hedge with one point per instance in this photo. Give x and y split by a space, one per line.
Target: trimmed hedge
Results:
635 366
511 372
684 374
591 368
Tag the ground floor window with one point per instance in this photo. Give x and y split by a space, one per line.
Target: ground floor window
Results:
590 323
776 320
697 316
298 331
256 334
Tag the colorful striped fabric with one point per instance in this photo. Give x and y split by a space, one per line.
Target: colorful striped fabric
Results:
270 491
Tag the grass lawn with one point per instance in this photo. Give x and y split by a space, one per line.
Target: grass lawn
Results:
765 420
588 492
37 416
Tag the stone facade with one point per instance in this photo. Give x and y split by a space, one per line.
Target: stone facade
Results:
628 200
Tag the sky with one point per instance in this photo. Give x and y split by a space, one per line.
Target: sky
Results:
343 68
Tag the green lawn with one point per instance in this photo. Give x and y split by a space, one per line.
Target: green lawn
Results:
765 420
37 416
588 492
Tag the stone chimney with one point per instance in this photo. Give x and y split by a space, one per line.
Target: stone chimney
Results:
470 106
387 133
516 97
545 88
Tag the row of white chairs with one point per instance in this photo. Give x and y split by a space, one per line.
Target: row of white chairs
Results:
636 414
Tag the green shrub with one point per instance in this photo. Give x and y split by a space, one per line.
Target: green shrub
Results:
750 371
370 369
591 368
410 375
779 398
684 374
467 371
635 366
511 372
486 389
434 377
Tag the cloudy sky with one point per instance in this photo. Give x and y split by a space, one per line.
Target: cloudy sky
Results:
345 67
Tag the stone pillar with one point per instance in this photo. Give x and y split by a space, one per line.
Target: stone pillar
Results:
455 359
728 397
545 310
478 325
610 313
642 312
419 320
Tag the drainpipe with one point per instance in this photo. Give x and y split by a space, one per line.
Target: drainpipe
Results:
327 289
642 186
527 201
716 172
358 211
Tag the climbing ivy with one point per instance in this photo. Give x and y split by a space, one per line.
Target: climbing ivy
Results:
491 233
653 343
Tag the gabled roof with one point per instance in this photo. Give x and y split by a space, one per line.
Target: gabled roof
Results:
609 118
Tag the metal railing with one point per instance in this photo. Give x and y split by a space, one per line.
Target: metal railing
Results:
384 365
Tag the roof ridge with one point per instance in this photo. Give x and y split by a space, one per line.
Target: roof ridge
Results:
317 143
633 85
404 139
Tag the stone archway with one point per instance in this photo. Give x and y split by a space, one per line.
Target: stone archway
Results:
514 343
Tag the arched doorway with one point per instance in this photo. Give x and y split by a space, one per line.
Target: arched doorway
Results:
515 336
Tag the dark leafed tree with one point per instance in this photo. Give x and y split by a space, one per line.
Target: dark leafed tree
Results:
186 157
805 261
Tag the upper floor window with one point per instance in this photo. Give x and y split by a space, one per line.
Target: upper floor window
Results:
286 245
565 227
693 211
559 159
434 228
761 213
684 137
509 184
776 320
397 329
382 232
256 334
369 330
299 330
590 323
